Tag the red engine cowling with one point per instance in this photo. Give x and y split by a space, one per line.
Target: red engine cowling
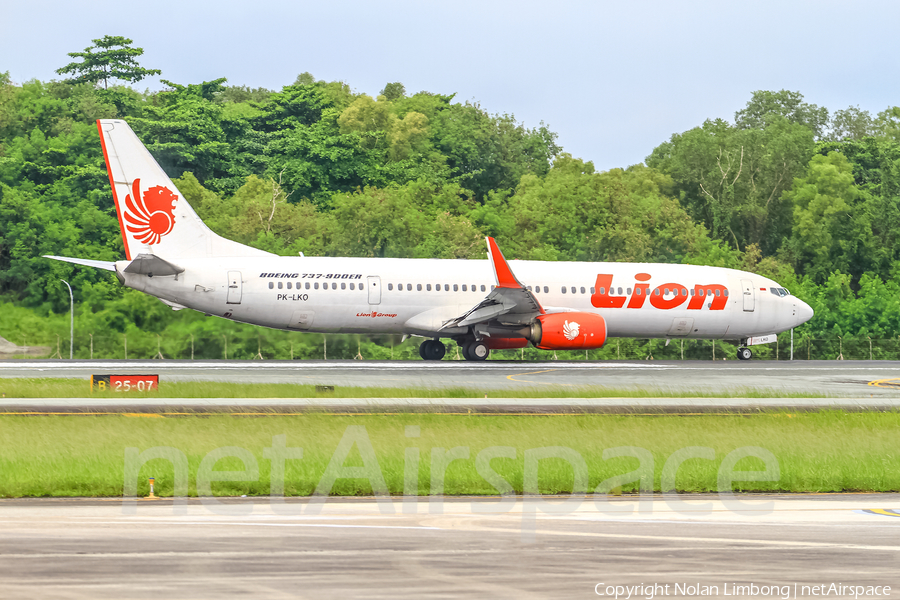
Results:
569 331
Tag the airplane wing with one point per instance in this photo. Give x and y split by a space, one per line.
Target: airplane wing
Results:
510 302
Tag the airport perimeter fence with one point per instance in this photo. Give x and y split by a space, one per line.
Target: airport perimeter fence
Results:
281 345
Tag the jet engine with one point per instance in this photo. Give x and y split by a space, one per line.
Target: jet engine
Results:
568 331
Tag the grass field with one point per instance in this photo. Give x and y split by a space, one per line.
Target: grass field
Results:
85 455
79 388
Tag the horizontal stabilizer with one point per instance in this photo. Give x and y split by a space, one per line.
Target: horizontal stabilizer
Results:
152 265
97 264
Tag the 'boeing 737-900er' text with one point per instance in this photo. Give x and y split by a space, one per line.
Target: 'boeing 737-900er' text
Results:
172 255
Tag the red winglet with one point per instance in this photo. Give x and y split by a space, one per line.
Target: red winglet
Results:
504 274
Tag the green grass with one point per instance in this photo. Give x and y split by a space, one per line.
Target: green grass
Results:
79 388
828 451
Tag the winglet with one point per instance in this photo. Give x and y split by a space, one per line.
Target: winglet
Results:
504 275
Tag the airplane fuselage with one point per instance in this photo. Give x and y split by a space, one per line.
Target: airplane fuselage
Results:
418 296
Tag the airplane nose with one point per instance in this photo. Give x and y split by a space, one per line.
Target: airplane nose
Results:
803 311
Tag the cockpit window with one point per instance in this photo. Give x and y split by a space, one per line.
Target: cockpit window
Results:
780 292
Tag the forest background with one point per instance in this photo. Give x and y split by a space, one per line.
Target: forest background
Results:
787 189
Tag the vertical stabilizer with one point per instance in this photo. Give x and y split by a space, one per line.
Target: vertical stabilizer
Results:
154 216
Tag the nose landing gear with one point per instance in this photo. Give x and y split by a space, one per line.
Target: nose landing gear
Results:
744 354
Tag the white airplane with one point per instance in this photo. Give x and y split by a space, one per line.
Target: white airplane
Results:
172 255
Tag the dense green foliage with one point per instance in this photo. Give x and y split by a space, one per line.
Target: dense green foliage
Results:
787 189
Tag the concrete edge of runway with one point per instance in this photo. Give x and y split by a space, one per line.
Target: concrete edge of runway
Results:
277 406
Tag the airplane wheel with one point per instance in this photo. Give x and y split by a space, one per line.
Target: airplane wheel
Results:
744 354
465 351
432 350
476 350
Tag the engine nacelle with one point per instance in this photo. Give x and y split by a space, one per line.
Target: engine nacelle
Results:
505 343
568 331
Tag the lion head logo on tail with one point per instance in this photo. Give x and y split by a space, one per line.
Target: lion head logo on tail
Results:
149 217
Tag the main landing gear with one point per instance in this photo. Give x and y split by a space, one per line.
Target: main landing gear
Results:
744 354
475 350
432 350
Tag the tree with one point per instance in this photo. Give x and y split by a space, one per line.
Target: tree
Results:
111 57
790 105
851 124
827 230
732 178
576 214
888 123
393 91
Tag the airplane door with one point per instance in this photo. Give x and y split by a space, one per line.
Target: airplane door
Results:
749 295
374 282
234 287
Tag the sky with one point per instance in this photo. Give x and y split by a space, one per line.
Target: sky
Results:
612 79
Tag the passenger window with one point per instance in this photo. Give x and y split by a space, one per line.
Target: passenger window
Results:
628 292
418 287
603 291
726 293
563 289
279 285
483 289
684 291
717 292
656 292
592 289
428 288
639 291
455 288
271 285
446 287
582 290
390 287
692 292
344 286
352 286
288 285
408 287
464 288
620 291
316 285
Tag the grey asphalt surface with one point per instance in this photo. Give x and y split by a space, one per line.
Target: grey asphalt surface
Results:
79 549
847 385
827 378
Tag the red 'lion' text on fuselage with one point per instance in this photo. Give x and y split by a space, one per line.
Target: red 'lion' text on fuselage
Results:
678 295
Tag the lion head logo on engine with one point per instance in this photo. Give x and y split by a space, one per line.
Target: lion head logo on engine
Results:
149 217
570 330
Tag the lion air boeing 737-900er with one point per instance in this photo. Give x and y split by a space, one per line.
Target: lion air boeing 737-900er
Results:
172 255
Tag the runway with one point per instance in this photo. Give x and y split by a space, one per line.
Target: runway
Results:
174 407
446 548
823 378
